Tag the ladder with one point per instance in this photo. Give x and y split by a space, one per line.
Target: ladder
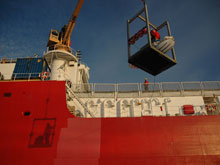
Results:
80 102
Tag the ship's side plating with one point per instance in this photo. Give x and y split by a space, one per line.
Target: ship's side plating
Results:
37 128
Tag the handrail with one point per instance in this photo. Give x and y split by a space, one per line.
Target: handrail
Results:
160 87
135 87
25 76
78 99
52 48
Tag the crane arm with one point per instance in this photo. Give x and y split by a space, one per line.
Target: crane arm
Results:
72 23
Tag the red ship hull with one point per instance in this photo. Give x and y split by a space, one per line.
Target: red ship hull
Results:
37 128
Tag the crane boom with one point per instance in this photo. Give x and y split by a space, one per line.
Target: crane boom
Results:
72 22
61 40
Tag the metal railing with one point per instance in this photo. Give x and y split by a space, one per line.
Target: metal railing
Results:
51 48
133 87
71 93
179 88
8 60
163 86
24 76
13 59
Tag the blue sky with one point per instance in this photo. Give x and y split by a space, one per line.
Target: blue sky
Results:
100 34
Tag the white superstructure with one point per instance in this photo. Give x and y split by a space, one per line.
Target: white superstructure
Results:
65 66
124 100
6 68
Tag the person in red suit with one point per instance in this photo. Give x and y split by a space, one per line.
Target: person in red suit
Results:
146 84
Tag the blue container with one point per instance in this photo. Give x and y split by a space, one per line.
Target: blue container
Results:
26 68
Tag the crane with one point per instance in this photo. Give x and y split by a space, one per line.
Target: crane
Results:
61 40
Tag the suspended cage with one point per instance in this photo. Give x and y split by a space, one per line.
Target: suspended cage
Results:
152 57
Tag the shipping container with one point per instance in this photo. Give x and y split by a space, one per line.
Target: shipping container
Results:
30 68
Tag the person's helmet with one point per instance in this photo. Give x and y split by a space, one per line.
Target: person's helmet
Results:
146 79
155 34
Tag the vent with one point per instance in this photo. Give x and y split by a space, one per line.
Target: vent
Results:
27 113
7 94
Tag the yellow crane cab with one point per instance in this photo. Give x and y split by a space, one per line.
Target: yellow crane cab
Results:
53 37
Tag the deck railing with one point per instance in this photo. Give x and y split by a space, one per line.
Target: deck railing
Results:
153 89
22 76
8 60
71 50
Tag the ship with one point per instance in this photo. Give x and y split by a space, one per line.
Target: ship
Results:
50 114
